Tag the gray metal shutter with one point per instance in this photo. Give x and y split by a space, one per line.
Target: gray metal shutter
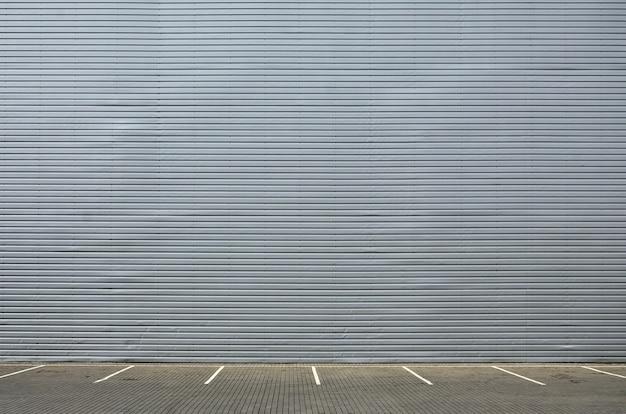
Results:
313 180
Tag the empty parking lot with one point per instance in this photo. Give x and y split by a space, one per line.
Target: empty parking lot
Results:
297 388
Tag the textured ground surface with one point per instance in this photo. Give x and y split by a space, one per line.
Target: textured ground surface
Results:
182 388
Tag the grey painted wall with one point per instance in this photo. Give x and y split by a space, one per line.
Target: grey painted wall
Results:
313 180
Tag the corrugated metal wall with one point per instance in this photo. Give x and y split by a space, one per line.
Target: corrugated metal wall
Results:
313 180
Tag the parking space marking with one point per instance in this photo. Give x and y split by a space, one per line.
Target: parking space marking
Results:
518 375
419 376
604 372
114 374
19 372
317 378
214 375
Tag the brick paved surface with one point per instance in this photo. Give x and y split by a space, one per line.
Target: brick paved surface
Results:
181 388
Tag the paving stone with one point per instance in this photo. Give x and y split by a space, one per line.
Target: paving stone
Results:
291 388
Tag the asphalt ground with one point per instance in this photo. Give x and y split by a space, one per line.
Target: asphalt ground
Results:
67 388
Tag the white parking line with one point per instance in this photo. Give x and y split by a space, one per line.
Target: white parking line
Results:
317 378
419 376
19 372
518 375
604 372
214 375
114 374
